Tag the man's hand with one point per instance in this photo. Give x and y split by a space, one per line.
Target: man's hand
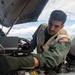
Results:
36 62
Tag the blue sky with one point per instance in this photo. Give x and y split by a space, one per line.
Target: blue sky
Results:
27 29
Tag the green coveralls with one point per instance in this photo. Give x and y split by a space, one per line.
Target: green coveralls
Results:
49 58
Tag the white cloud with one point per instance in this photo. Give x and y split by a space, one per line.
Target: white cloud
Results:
67 6
23 32
70 29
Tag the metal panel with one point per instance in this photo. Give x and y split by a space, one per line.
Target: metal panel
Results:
20 11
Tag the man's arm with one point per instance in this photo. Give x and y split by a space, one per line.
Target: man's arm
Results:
52 57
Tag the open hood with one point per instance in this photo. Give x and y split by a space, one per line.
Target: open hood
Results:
20 11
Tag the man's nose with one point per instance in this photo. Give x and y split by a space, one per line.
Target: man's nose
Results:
52 27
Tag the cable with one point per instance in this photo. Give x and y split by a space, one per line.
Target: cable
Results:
2 50
18 17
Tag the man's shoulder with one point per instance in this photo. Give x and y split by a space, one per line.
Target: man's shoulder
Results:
43 26
63 35
63 32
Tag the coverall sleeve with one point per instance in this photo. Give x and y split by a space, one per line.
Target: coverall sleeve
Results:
54 56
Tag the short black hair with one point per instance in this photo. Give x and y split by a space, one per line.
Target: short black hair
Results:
58 15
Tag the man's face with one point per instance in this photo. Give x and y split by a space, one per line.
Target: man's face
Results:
54 26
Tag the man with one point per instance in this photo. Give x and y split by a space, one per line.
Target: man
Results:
52 42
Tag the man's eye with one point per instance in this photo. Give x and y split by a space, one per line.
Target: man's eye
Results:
56 26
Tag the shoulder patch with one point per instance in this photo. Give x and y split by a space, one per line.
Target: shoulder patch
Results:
63 39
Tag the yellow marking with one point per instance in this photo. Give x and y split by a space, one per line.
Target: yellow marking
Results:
33 72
